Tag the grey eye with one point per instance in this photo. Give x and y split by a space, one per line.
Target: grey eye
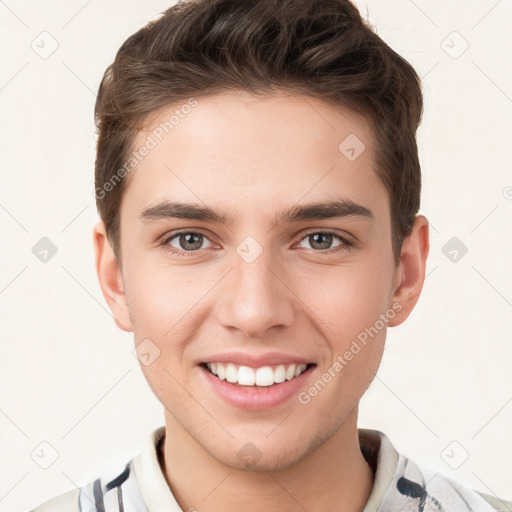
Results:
188 241
320 241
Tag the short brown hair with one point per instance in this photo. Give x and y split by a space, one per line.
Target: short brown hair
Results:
321 48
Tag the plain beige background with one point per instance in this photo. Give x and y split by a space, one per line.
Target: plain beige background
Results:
69 378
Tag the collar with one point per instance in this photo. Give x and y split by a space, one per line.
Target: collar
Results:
375 446
399 483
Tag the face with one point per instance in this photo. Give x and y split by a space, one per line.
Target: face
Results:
253 273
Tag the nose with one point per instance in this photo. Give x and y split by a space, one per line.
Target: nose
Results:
256 297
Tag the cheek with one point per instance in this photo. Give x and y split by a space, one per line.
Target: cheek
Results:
159 297
167 313
347 299
167 383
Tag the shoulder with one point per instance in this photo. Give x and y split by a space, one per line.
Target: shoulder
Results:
426 483
67 502
115 489
403 483
415 484
444 491
497 503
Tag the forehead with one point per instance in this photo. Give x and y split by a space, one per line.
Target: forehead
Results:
250 152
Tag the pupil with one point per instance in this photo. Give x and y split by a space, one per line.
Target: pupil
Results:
316 236
189 238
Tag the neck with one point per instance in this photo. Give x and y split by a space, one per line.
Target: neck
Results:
333 477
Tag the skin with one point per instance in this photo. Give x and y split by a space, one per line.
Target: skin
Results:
252 157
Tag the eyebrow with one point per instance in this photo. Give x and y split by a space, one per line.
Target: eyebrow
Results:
307 212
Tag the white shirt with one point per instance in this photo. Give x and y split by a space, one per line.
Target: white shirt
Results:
400 485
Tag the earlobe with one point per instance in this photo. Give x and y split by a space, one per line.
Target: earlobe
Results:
410 273
110 278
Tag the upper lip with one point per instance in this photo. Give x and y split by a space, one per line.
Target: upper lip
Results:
255 360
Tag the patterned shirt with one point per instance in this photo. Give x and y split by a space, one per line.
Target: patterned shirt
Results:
400 484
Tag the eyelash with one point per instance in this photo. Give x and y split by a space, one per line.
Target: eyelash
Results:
345 245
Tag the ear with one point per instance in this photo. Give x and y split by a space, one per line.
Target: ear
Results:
410 273
111 278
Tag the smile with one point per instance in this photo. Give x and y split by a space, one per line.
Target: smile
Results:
262 376
256 389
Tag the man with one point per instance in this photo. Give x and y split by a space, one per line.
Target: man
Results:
258 183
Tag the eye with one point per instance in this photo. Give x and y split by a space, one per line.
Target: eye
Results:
184 242
190 243
321 241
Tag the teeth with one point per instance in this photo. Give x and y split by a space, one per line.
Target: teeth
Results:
280 374
290 373
263 376
221 371
231 373
246 376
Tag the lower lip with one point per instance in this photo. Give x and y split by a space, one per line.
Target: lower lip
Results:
256 399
